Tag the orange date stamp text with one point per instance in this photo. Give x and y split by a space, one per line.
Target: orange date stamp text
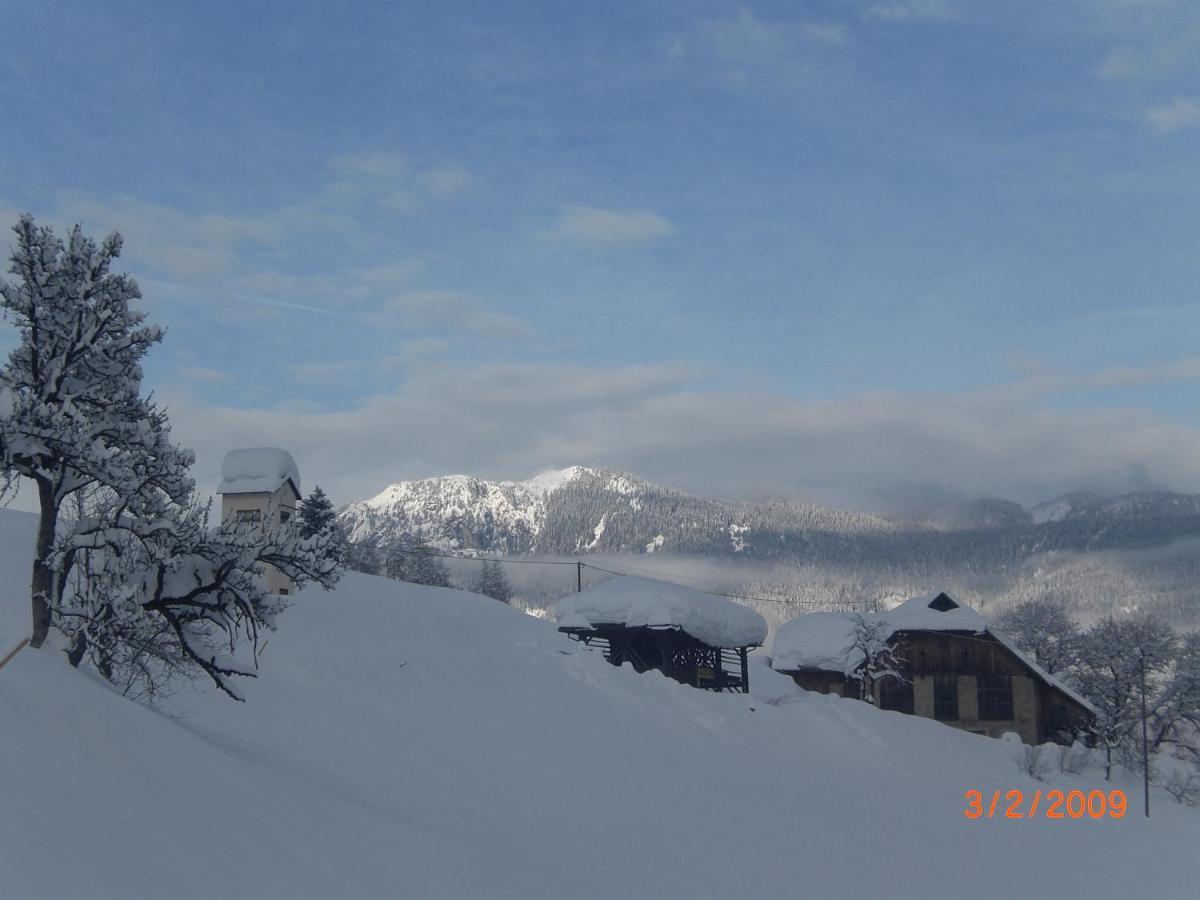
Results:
1052 804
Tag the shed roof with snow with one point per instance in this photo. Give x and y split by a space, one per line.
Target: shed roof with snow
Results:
258 470
632 602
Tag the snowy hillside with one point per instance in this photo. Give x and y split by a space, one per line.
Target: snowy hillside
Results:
421 742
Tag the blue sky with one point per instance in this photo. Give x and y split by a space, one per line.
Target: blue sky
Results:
846 250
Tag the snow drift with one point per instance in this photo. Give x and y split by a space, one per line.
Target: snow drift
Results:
422 742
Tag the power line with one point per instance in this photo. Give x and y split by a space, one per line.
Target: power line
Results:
668 577
663 576
414 552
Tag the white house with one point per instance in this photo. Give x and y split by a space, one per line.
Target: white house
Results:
262 485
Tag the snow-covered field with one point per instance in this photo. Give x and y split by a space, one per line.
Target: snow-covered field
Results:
422 742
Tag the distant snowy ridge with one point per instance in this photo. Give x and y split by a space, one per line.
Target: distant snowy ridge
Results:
458 512
583 510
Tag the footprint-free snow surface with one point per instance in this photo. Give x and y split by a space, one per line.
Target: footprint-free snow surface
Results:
406 741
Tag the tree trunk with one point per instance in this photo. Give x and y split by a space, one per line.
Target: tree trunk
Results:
42 588
78 649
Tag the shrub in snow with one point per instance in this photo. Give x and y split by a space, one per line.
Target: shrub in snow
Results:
1035 761
125 563
1182 782
1075 759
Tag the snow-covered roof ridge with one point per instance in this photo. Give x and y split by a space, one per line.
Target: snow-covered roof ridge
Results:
254 470
822 640
635 602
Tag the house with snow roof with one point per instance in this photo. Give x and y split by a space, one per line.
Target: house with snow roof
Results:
693 637
955 668
261 485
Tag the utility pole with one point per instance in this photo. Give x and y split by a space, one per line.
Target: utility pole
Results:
578 577
1145 741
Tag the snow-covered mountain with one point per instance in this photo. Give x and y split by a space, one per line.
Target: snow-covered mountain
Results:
592 510
583 510
458 512
1097 553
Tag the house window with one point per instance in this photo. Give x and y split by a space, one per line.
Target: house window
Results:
283 592
284 515
247 515
995 697
945 697
896 694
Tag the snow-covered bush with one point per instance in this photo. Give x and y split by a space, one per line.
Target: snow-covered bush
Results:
1034 761
1075 759
1183 783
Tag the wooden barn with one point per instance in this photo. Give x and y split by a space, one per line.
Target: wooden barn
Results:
956 670
690 636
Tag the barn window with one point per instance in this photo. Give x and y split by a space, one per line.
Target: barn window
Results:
945 697
995 697
248 515
896 694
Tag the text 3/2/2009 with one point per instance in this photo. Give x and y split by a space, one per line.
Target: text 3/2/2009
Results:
1051 805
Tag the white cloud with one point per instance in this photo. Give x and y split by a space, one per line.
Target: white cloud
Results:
452 311
1180 113
611 227
323 373
1153 39
511 420
448 180
746 38
205 375
378 165
913 11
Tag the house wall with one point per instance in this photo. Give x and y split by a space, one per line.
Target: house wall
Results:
1040 712
272 510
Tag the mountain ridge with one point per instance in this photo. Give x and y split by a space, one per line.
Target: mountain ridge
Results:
583 509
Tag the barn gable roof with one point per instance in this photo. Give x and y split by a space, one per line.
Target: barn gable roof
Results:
822 640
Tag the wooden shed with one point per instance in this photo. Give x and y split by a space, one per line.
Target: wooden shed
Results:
691 636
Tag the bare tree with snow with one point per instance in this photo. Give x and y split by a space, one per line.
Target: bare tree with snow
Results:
879 657
132 572
1045 630
1112 654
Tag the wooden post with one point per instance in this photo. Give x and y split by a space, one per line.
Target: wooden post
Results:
17 649
1145 743
745 671
578 577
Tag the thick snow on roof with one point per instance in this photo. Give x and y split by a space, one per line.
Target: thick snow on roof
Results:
815 641
821 640
257 470
637 602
